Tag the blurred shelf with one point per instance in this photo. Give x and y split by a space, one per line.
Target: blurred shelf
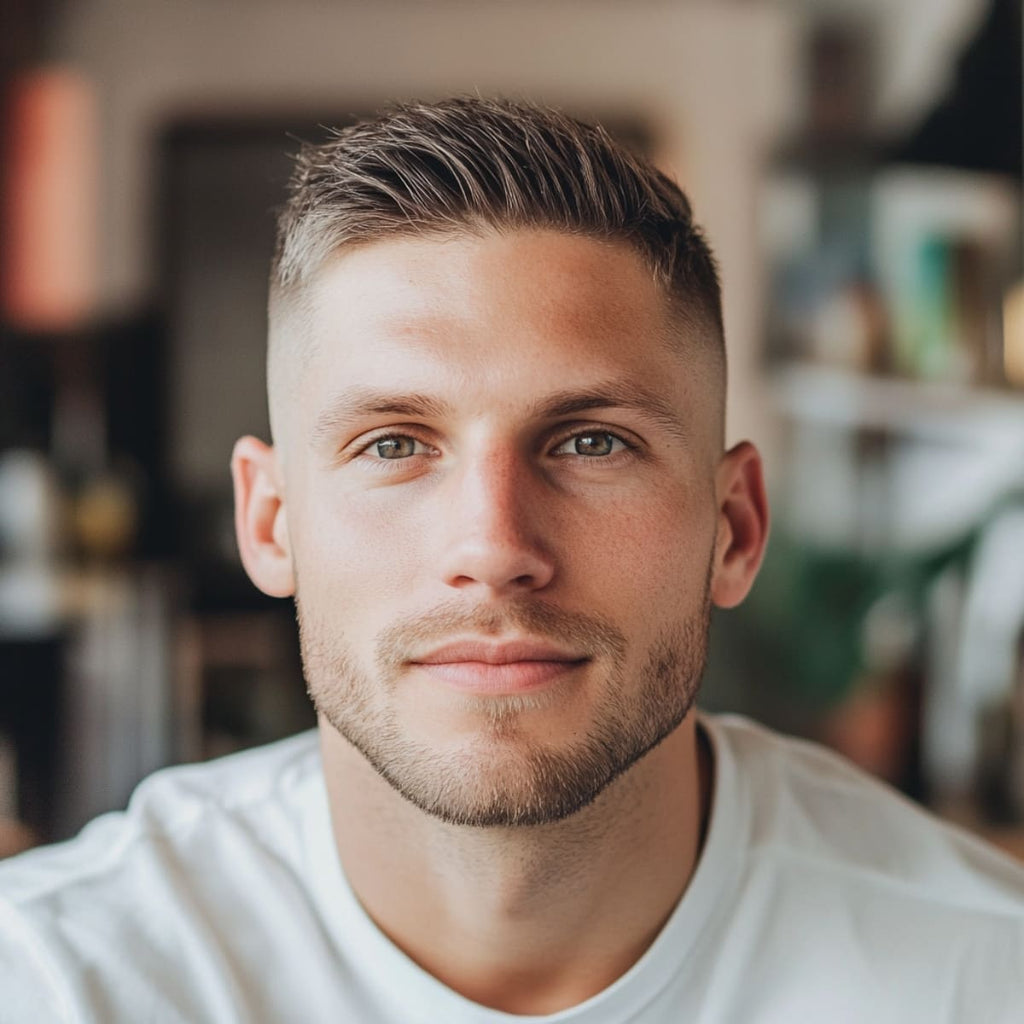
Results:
922 410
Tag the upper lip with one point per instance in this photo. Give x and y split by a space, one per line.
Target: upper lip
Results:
496 653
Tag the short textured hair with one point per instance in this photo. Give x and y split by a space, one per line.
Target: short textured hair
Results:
470 164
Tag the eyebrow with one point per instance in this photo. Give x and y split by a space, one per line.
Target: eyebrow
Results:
617 394
355 403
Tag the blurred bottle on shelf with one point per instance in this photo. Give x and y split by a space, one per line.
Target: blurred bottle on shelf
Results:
945 251
31 519
878 265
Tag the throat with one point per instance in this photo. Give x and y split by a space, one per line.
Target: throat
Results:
527 938
534 919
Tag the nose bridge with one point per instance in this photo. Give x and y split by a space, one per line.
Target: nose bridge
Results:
494 485
495 533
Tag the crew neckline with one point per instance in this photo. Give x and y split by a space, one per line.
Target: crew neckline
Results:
411 994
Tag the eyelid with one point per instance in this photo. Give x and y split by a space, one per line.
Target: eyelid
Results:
565 432
362 444
574 430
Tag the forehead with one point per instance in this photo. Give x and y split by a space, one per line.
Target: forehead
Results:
575 280
489 318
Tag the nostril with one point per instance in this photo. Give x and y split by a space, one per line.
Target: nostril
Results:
499 567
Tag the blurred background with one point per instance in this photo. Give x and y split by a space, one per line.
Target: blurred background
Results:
857 165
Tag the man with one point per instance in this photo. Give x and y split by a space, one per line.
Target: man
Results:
499 495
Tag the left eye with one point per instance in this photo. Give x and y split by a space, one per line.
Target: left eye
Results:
397 446
593 443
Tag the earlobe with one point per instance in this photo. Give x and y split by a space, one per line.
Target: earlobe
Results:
261 525
742 525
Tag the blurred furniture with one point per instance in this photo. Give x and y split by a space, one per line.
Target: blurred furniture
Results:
31 719
891 358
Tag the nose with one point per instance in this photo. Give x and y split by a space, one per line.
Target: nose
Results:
495 518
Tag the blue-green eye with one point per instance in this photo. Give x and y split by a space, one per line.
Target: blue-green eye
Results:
399 446
592 443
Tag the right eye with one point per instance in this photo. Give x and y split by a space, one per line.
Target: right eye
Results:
397 446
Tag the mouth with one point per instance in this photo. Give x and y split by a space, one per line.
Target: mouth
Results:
496 668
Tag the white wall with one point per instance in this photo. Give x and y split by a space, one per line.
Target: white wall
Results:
715 79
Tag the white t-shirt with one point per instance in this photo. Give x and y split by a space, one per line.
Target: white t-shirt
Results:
820 897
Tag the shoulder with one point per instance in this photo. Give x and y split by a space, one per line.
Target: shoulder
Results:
855 893
808 805
161 876
164 810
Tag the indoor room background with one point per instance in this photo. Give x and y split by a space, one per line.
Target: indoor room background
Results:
857 167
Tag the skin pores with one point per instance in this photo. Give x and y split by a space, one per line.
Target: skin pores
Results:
500 441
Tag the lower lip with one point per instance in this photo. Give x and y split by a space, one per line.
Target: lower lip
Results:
483 678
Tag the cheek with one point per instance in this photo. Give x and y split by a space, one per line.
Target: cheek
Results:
655 554
350 552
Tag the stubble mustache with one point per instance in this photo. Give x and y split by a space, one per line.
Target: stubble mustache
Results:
586 635
518 781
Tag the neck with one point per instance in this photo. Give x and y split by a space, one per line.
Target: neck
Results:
527 920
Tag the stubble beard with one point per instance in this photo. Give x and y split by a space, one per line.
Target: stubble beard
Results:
505 778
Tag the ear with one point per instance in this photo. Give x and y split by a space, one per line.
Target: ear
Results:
742 524
260 523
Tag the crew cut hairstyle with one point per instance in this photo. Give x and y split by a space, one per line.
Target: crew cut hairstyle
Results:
470 164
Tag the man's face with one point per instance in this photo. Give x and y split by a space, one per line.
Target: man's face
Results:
500 497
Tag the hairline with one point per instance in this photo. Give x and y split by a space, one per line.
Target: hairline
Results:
294 301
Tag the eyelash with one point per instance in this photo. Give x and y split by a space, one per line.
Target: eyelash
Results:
627 445
577 431
378 461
